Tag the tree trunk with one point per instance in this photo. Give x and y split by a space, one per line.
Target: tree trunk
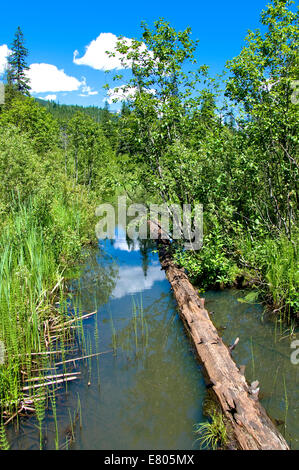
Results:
249 424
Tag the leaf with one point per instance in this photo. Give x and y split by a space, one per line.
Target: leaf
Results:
249 298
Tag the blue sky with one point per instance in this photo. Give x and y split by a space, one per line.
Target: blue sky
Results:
54 30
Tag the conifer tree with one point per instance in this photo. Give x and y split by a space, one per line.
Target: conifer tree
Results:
17 65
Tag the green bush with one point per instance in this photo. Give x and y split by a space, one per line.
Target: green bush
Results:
20 167
211 265
34 121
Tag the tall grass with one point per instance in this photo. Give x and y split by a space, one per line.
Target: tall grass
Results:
275 262
31 279
282 274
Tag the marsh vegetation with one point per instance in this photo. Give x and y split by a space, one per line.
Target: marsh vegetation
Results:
184 137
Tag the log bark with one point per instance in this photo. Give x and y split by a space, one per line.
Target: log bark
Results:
249 423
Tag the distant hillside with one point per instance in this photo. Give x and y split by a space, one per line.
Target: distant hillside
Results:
64 112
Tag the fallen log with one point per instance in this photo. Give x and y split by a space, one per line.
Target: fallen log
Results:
249 424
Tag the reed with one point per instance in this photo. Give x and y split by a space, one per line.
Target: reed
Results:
135 327
4 444
139 325
286 401
79 408
113 334
252 357
33 308
274 265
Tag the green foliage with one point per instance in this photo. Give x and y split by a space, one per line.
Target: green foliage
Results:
63 113
34 252
282 273
171 143
89 148
238 160
20 168
263 70
250 298
162 98
17 66
34 121
212 434
274 265
4 444
211 266
261 82
46 217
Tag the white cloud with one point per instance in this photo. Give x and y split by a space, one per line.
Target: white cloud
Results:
120 93
121 244
89 94
123 93
95 54
48 97
47 77
4 52
86 90
131 280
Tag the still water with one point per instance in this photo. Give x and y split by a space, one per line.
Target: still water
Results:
147 391
265 349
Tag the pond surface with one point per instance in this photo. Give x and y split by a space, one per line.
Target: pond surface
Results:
147 391
265 349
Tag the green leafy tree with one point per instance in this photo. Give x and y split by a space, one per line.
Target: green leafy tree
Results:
89 147
20 168
262 84
35 121
109 125
17 65
160 95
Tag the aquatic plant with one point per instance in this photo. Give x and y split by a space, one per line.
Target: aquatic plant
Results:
4 444
212 434
114 336
139 323
34 312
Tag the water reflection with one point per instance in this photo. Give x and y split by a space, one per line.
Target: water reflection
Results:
151 390
148 392
132 280
98 279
